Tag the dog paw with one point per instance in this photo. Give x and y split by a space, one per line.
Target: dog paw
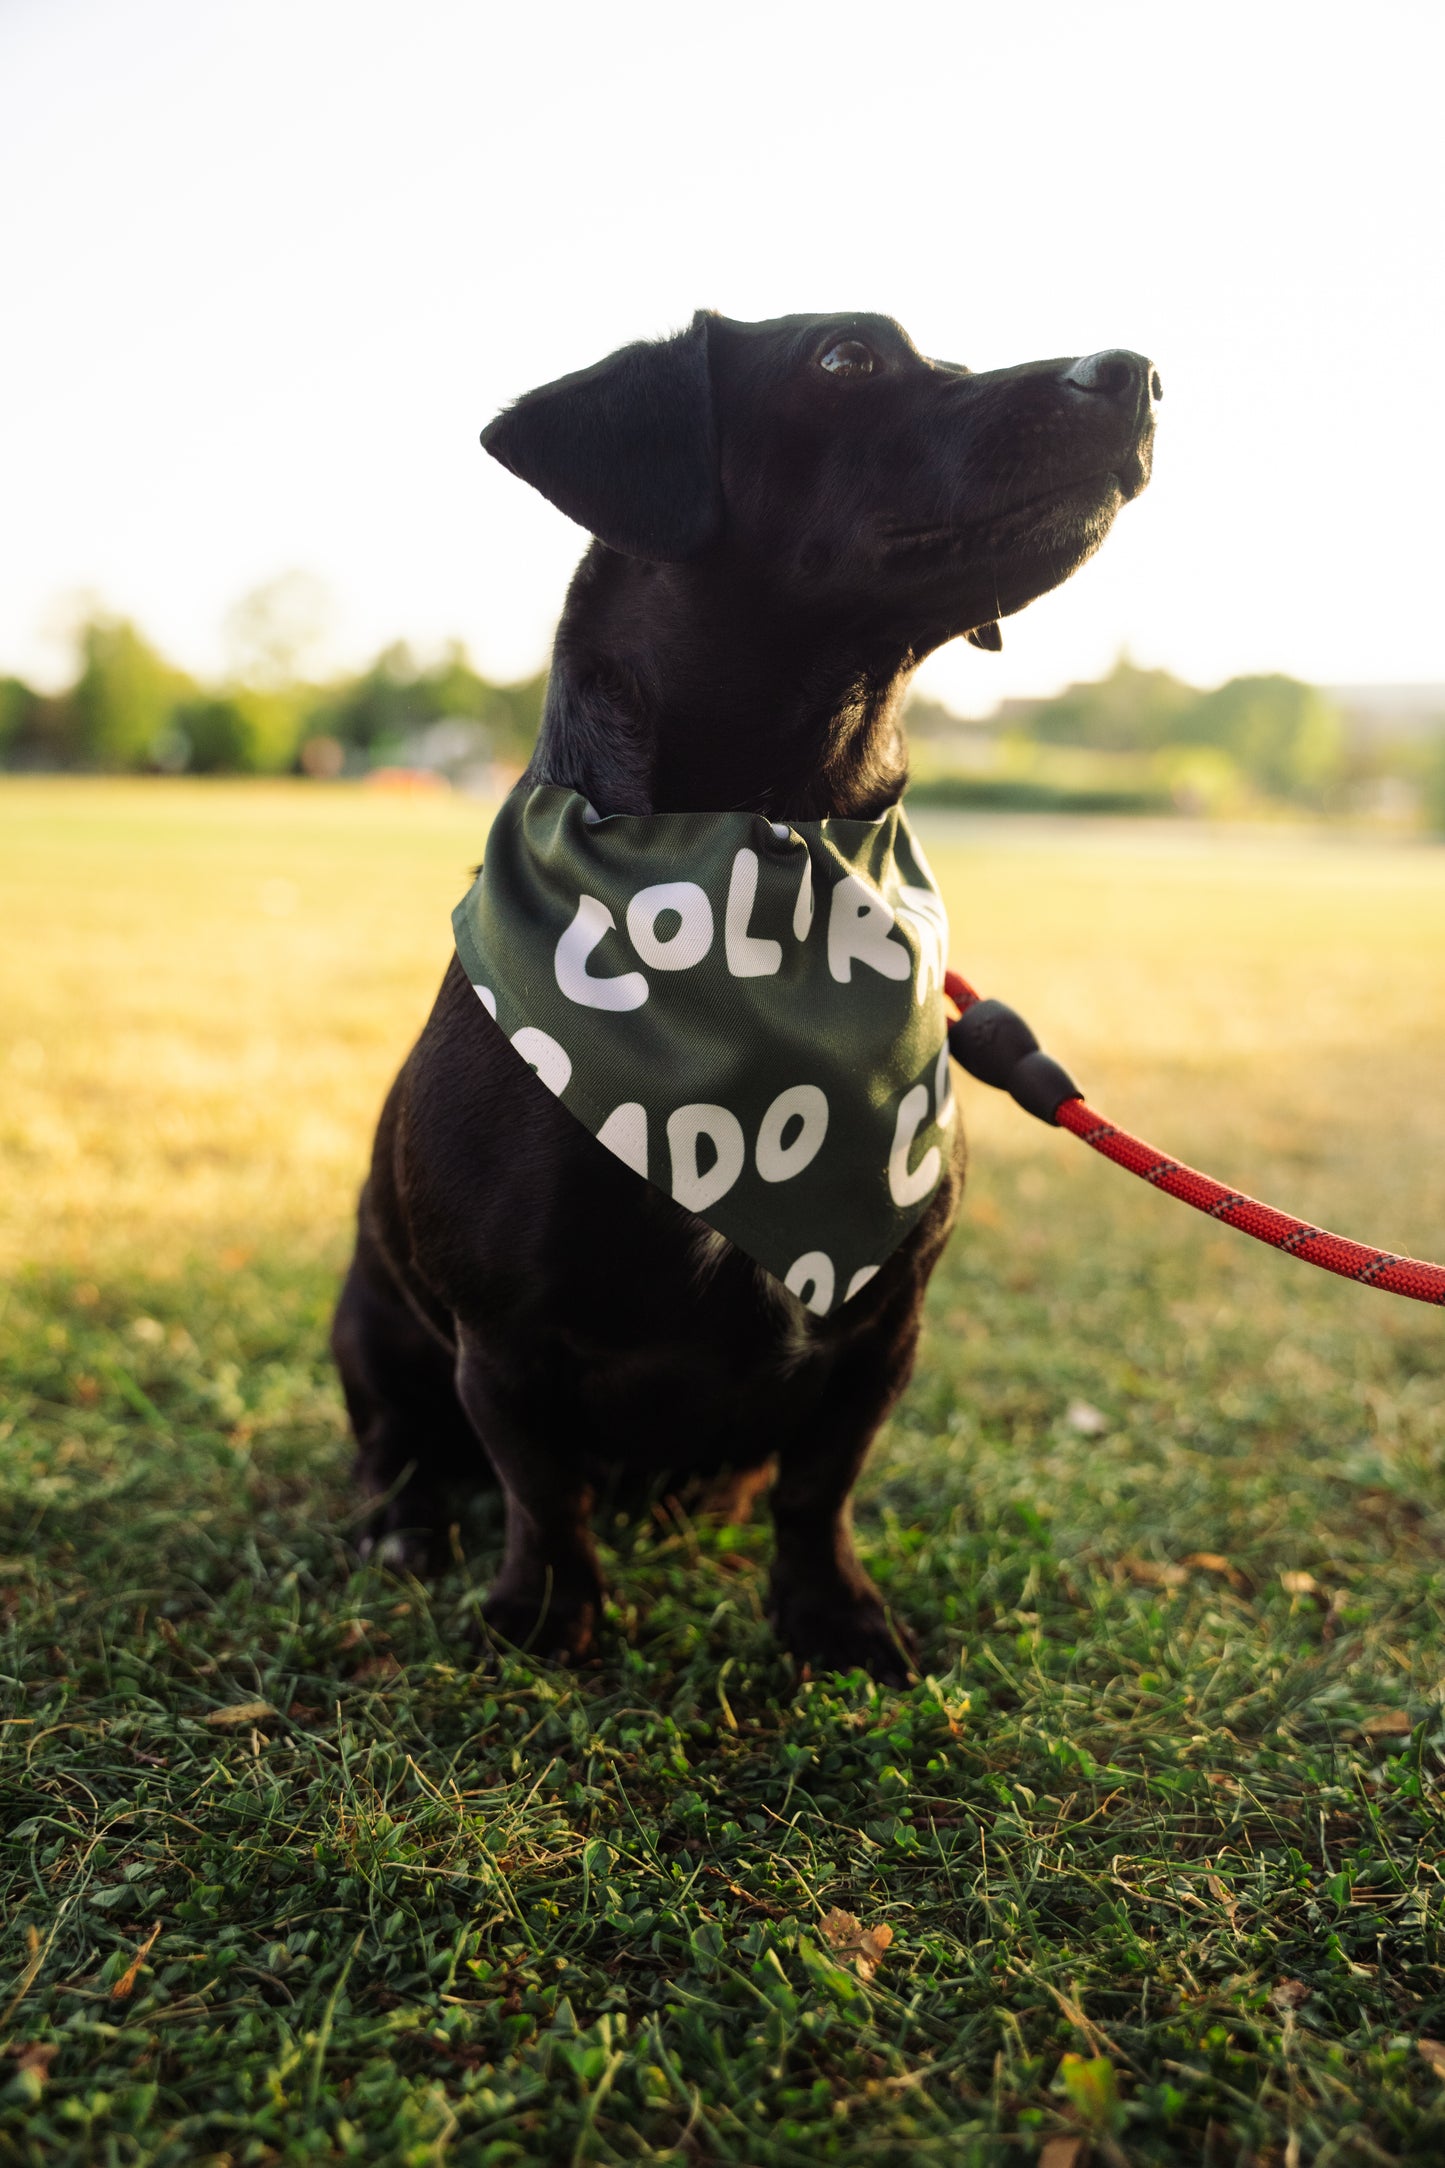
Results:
556 1632
845 1630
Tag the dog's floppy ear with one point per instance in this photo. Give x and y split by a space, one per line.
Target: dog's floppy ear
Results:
627 448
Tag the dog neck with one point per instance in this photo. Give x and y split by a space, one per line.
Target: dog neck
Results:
675 688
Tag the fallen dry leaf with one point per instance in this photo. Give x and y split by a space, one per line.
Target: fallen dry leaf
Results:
240 1712
1433 2053
1069 2152
376 1667
1224 1893
1216 1562
1289 1994
1299 1584
36 2055
744 1896
125 1985
1155 1573
848 1938
1388 1724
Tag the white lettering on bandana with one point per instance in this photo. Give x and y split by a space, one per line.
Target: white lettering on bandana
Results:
747 1013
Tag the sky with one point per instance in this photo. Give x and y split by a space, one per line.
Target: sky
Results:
269 267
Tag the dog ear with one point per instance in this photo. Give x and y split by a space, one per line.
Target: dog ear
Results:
987 636
627 448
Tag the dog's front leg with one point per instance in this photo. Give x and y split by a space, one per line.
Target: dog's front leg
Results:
822 1604
548 1594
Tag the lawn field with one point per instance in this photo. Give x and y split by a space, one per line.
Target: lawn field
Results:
1157 1842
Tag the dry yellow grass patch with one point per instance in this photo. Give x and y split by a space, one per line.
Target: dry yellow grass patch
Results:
206 987
204 994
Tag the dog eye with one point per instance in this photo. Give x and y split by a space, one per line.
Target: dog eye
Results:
850 357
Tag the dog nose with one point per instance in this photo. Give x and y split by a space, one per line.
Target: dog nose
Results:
1128 379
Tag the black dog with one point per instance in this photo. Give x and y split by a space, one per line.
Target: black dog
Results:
788 517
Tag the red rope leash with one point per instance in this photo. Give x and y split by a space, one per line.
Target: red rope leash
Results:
995 1045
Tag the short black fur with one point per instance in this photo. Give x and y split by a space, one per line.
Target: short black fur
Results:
627 448
782 535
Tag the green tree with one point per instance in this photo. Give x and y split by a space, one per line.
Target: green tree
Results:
524 702
212 738
1435 783
375 710
19 711
1129 711
242 732
131 709
38 730
124 696
379 709
1286 736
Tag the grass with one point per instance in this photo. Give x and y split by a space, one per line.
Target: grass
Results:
286 1877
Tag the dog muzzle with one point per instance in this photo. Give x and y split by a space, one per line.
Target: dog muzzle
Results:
748 1013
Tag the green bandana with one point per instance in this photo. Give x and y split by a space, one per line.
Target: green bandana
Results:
748 1012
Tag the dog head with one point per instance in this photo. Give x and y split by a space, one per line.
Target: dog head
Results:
827 459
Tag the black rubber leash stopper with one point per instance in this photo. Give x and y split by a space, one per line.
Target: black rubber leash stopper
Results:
1041 1085
992 1042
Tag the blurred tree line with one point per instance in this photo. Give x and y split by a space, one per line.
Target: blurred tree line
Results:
1143 740
1284 738
129 710
1136 741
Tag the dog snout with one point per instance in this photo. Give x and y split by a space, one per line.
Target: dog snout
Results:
1127 380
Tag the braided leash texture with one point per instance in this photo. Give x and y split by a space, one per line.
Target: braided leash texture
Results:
1332 1253
997 1046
